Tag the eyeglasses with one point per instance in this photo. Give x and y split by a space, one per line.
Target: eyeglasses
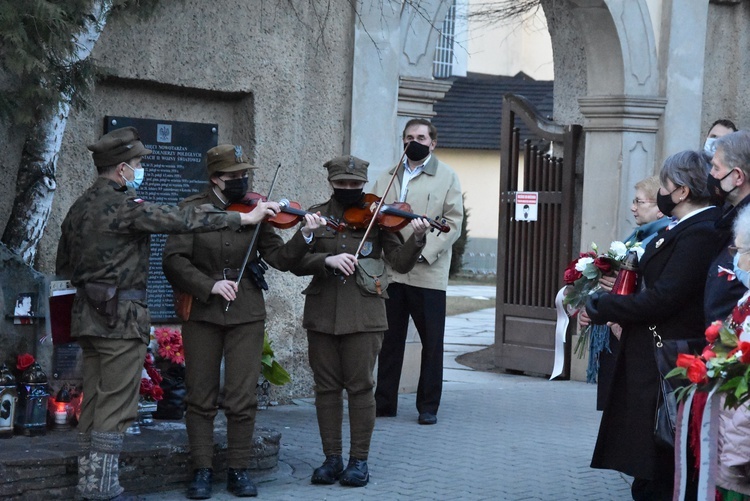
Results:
637 201
734 250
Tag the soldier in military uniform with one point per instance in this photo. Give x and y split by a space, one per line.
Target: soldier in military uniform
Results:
345 320
104 251
206 266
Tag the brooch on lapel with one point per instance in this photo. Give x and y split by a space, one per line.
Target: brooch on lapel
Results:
659 242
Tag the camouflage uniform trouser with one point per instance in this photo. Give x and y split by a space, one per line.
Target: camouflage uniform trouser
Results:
339 363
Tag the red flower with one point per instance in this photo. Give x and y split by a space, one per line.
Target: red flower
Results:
697 372
170 344
24 361
603 263
154 374
571 274
157 393
712 332
744 346
708 354
685 360
146 386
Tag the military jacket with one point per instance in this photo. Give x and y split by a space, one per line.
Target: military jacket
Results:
335 304
106 238
193 263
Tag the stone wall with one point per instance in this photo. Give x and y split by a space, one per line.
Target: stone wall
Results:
275 76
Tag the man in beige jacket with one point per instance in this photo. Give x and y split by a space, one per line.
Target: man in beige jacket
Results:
432 189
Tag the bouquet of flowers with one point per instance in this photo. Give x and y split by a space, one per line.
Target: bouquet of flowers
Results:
582 279
169 345
150 380
724 362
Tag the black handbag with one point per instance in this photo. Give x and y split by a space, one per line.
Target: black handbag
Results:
665 353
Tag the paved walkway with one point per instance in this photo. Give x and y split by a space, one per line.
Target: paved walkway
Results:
499 437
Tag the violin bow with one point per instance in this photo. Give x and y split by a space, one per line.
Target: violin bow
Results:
255 236
381 202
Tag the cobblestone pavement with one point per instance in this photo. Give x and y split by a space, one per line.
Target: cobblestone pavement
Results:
499 437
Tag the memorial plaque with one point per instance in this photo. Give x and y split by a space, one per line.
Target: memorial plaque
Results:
67 361
176 169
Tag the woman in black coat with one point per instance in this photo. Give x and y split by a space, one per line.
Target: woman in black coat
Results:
672 276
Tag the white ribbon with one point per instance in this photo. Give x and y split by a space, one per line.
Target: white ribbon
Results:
560 330
680 450
709 446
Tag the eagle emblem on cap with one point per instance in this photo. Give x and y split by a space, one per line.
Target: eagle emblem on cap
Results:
238 154
350 167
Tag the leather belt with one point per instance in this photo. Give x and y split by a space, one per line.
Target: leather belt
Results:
228 274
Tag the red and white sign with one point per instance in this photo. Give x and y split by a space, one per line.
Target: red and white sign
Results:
527 203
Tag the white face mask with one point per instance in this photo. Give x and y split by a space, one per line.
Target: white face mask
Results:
710 146
138 175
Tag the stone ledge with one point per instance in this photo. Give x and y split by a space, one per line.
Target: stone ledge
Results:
46 467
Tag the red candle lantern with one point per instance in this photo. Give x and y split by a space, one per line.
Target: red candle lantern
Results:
627 278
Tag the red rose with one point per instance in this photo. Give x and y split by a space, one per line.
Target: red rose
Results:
24 361
157 393
685 360
603 263
697 372
146 386
571 275
708 354
712 332
744 346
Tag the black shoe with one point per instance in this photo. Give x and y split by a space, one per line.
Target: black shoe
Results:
427 418
200 487
329 471
356 474
239 483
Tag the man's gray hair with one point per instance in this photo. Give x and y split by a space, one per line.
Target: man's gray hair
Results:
686 168
735 148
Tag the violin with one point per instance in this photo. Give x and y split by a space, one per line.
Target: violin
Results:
392 217
290 215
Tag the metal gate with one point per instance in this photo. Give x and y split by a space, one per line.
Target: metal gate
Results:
532 255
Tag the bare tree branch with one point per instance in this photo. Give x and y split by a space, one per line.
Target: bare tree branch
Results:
499 11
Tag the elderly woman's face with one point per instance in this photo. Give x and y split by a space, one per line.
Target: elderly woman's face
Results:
743 249
644 208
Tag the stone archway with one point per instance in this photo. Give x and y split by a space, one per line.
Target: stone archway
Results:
637 100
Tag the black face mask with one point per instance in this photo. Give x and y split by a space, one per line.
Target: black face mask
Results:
235 189
665 203
346 196
718 194
417 151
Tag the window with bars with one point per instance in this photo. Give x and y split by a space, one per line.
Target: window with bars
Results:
442 65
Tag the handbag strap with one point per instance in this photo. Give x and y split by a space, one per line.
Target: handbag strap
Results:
657 337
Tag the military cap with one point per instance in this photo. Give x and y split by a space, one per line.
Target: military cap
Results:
348 167
226 158
117 146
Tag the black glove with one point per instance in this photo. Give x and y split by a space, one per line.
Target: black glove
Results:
258 269
592 308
